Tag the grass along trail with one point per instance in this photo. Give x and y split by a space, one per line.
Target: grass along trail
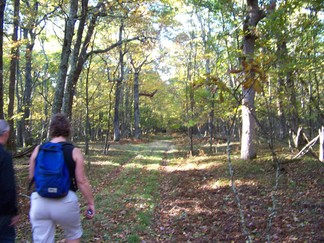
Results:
127 193
151 191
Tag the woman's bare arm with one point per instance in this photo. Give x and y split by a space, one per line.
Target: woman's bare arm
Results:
32 162
82 181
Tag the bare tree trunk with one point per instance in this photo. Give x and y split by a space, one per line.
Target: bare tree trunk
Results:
44 88
190 71
88 126
110 101
206 35
282 57
2 10
128 111
137 70
78 57
293 121
136 106
28 88
248 150
321 152
65 55
119 85
19 99
12 78
248 125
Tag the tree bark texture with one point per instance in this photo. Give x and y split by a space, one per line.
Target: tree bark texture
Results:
282 58
78 58
65 55
321 152
28 87
127 132
119 85
12 76
248 150
2 9
136 106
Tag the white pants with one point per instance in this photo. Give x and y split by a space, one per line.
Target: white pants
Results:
45 213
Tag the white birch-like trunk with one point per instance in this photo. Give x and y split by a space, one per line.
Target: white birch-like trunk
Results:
321 152
248 150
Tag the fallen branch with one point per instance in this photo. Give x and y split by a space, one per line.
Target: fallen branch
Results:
306 148
26 152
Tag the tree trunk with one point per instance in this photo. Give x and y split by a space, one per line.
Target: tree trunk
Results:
137 70
2 10
248 150
190 70
44 91
248 125
127 132
76 63
119 85
293 121
12 77
206 38
116 110
110 101
65 55
28 88
88 127
136 106
282 57
321 152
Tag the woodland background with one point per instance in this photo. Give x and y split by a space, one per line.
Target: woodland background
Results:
248 70
236 81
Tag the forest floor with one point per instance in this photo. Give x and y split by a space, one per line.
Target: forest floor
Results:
153 191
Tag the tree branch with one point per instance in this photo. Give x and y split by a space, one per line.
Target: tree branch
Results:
149 94
118 43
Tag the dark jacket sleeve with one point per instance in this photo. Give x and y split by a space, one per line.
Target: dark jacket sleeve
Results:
8 193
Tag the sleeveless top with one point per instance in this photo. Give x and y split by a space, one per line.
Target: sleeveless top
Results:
67 151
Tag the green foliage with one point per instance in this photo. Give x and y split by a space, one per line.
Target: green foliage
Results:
182 41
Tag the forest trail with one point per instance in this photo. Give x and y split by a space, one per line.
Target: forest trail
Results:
151 191
196 202
188 207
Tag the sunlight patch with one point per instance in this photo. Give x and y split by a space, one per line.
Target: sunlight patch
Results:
245 182
187 166
181 208
171 151
105 163
214 184
153 166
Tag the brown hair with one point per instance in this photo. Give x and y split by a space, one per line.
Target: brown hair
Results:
60 126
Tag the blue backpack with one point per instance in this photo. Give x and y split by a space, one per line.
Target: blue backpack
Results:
52 177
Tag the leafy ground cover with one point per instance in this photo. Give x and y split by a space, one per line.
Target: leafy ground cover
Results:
152 191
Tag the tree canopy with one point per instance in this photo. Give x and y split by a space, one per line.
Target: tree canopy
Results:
119 69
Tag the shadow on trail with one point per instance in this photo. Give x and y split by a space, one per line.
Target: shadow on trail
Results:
153 193
197 205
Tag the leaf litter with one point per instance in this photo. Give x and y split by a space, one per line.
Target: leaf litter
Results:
196 203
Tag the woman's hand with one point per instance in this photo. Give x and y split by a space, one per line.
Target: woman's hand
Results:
14 220
90 212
